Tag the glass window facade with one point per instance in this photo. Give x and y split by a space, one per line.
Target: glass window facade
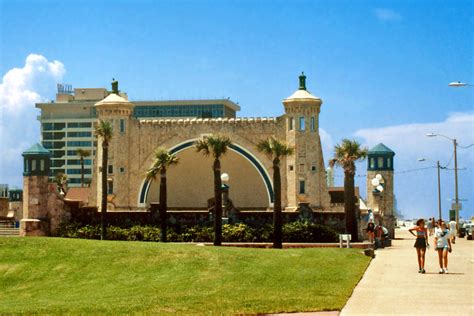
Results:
79 144
203 110
78 171
79 125
53 126
79 134
77 162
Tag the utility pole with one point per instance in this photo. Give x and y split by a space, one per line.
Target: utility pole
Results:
439 190
456 196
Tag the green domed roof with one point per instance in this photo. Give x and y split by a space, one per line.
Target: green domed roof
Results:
381 149
36 149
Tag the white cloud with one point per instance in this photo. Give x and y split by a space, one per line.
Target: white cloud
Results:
387 15
20 89
327 143
417 190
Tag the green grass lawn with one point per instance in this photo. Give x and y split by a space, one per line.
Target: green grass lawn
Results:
55 275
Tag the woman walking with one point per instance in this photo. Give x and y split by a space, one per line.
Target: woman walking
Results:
421 243
443 246
371 231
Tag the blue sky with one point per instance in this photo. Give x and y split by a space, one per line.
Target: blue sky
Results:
381 68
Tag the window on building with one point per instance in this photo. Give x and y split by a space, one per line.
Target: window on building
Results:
122 126
122 169
313 124
302 123
291 123
372 163
302 187
33 165
290 167
313 168
389 163
110 187
380 162
110 169
42 165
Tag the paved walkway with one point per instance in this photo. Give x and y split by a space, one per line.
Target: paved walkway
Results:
392 285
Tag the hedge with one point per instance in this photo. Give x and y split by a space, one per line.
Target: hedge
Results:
299 231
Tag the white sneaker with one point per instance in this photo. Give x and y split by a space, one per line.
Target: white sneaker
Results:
441 271
446 270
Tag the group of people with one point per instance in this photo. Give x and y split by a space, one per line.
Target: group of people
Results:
375 233
443 238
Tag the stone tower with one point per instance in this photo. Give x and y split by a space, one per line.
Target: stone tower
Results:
380 196
118 111
306 179
36 169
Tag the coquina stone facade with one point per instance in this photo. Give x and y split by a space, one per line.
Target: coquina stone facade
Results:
190 182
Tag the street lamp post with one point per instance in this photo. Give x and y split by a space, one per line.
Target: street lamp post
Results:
456 187
458 84
439 185
225 193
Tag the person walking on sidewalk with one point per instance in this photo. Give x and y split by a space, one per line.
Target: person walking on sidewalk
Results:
443 246
421 243
452 231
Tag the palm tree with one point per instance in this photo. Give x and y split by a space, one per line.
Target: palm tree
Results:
163 159
217 146
275 150
104 131
61 181
82 153
345 155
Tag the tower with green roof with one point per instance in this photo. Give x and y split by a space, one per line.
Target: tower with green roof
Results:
36 170
305 172
380 192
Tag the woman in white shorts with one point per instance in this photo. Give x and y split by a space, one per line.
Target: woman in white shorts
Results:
452 231
443 246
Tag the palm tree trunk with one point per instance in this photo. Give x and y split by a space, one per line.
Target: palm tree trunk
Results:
163 205
218 203
349 205
82 171
103 213
277 217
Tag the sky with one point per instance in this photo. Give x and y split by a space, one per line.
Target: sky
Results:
382 69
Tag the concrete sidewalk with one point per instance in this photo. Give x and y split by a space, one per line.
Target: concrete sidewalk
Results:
392 285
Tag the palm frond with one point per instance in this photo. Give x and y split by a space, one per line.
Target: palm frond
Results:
83 153
274 148
104 130
216 145
162 159
347 153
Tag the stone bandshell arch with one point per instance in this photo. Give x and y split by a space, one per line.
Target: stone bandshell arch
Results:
235 147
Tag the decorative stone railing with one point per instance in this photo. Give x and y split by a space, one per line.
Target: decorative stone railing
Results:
246 120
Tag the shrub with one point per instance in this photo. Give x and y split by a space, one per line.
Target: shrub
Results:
305 231
237 233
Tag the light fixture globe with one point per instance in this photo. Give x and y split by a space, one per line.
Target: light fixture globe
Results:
224 177
375 182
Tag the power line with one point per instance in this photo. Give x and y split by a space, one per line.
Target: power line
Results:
464 147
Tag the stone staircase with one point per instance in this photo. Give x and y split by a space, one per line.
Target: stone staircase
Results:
9 230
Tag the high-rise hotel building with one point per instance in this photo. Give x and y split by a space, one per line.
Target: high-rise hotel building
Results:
67 123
